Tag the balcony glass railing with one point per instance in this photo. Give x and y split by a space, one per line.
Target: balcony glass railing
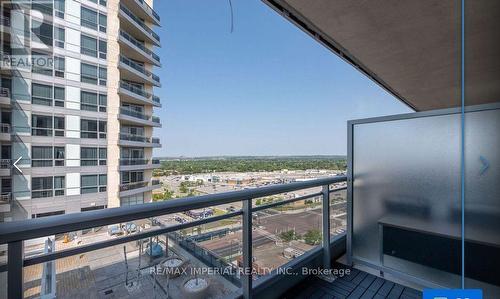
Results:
250 238
140 68
4 92
5 21
149 9
156 99
5 197
155 140
5 163
129 161
137 138
139 45
134 89
134 113
4 128
139 22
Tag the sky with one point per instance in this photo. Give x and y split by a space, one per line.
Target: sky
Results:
267 88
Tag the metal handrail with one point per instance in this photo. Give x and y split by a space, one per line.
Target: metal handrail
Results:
133 113
39 227
14 233
139 22
5 197
130 161
136 90
150 9
133 185
139 68
138 138
139 45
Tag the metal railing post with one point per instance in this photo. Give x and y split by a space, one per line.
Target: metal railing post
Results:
246 277
326 227
15 280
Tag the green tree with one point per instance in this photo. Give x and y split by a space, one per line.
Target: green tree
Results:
313 237
288 236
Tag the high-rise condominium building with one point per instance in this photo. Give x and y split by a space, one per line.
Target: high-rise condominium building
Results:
76 104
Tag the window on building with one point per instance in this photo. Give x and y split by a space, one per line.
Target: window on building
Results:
42 32
59 155
47 186
43 63
88 18
92 101
103 22
103 49
88 128
89 73
93 183
44 7
103 127
59 66
40 215
103 156
59 8
88 156
88 45
59 126
41 125
41 156
103 76
59 37
41 94
132 177
59 96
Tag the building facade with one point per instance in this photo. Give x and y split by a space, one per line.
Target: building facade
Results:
77 118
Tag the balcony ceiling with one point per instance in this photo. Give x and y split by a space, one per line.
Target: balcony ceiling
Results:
411 48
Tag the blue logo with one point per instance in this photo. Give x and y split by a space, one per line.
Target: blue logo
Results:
453 294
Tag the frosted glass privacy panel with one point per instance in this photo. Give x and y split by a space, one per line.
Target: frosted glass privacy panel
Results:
406 175
482 202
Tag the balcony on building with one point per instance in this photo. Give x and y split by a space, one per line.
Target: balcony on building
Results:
133 25
5 132
4 96
5 165
143 10
393 220
138 164
5 200
138 187
133 71
132 117
132 94
137 50
138 141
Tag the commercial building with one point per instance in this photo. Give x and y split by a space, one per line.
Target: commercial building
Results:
76 102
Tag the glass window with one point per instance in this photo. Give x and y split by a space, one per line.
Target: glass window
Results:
41 187
88 18
103 74
59 66
41 94
44 7
59 37
88 45
102 129
59 185
59 154
59 96
89 73
103 182
88 128
93 183
103 49
103 155
103 102
42 63
41 156
88 156
41 125
42 32
59 126
88 101
59 7
103 22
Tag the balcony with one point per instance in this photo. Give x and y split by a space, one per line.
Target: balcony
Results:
129 116
143 10
5 165
136 50
4 96
5 24
183 243
138 164
132 94
5 199
136 27
138 187
132 71
4 132
138 141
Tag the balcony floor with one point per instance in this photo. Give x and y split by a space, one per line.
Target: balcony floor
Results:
358 284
